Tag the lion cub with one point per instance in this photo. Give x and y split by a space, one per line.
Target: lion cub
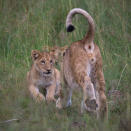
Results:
44 76
82 67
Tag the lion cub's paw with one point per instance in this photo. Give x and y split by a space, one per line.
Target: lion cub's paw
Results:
40 98
91 105
58 103
49 99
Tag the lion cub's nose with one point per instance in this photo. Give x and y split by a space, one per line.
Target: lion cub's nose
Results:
48 71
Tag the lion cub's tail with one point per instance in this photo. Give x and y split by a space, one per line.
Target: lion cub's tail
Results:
69 26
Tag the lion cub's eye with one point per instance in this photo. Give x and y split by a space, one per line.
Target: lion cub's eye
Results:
43 62
51 61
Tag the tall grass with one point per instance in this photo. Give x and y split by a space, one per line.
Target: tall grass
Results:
27 25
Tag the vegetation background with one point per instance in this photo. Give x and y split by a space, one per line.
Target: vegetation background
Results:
31 24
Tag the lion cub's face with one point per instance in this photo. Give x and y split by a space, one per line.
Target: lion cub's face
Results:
43 62
58 52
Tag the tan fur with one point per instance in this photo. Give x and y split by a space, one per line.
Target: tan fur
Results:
82 67
57 51
43 75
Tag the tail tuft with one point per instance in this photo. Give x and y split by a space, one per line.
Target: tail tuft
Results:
70 28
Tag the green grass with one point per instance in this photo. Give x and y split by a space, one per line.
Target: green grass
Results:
31 24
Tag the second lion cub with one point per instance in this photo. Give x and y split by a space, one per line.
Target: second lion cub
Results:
44 76
82 67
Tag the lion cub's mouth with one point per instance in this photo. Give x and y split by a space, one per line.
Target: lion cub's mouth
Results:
47 73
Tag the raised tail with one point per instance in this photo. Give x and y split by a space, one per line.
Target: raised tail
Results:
69 26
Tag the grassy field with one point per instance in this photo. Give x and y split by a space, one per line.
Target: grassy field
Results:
31 24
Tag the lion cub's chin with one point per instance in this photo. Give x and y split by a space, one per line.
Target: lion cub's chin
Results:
47 74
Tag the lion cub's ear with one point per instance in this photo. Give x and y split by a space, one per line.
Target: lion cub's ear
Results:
35 54
54 55
46 48
54 51
63 50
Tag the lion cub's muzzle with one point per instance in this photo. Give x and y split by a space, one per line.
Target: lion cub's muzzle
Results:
47 72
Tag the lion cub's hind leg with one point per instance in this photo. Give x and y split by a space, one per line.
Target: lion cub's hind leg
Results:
67 95
103 107
69 101
89 99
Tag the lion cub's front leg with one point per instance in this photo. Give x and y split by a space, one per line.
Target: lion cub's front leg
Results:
36 94
50 93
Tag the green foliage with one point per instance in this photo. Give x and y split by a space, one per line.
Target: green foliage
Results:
29 24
